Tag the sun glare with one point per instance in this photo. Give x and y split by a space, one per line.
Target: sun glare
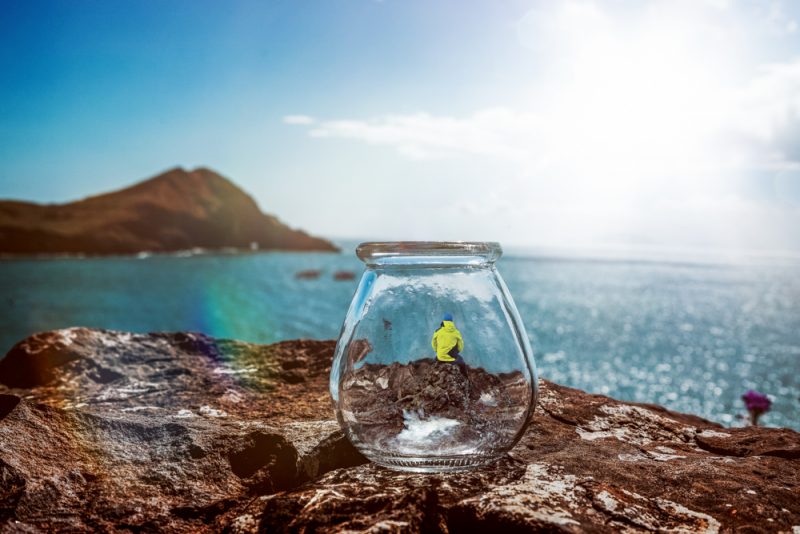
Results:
635 113
630 101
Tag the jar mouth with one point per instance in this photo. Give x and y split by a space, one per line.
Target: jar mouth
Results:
429 252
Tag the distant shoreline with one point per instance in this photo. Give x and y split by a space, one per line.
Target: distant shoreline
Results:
515 254
145 254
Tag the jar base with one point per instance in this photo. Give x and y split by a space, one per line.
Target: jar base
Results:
437 464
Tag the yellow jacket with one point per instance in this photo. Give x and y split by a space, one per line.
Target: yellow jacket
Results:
444 339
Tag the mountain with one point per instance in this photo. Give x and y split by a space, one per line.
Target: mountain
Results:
176 210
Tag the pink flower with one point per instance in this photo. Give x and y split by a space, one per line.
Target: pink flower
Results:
757 404
753 400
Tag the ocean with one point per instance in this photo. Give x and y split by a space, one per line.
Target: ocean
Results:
690 335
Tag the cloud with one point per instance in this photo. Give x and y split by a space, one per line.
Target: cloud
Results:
758 122
670 123
298 119
489 132
660 85
766 111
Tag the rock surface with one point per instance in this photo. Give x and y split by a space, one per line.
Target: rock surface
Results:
390 407
112 431
176 210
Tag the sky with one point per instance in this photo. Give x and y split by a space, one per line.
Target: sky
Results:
534 123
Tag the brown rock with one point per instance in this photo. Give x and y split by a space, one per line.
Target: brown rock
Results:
342 276
486 404
158 432
310 274
181 432
751 441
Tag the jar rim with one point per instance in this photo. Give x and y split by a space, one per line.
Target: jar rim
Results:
372 252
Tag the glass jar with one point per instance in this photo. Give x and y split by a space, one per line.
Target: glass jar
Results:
433 370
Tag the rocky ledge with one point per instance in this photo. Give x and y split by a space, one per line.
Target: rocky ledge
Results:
112 431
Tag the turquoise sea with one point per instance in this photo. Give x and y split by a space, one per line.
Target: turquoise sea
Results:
690 335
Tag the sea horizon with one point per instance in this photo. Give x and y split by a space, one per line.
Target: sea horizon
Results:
599 252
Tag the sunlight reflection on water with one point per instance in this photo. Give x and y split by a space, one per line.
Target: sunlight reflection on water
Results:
692 337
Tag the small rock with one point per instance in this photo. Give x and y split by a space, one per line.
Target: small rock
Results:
344 275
